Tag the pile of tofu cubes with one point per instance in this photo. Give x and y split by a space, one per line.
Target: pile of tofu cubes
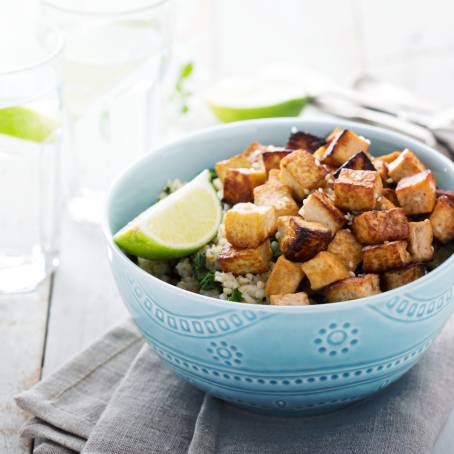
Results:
348 225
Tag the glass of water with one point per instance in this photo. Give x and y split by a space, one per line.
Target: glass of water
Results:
114 57
29 158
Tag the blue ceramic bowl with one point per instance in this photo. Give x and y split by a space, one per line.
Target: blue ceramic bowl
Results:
279 360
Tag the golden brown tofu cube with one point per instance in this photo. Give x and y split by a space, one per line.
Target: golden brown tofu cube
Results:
332 135
300 240
359 161
324 269
384 204
300 140
347 248
352 288
284 278
442 220
300 171
420 241
274 176
247 225
405 165
397 278
357 190
319 152
343 146
383 257
319 208
243 261
235 162
375 227
390 157
239 184
253 150
416 194
272 159
277 195
390 194
292 299
382 170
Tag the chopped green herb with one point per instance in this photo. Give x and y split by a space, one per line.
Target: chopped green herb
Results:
199 264
236 296
213 174
276 254
202 274
207 282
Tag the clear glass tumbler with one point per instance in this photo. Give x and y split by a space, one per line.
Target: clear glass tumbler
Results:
29 160
114 57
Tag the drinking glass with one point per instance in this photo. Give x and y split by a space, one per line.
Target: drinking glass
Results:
29 158
114 57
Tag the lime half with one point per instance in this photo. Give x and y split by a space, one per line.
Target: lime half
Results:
176 226
26 124
244 99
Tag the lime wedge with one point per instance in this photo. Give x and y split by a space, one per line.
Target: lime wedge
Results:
176 226
26 124
244 99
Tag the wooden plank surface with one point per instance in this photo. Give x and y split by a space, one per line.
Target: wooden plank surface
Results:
85 300
22 334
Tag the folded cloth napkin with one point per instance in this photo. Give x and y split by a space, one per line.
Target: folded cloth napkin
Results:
117 397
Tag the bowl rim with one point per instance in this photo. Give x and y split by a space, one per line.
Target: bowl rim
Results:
300 122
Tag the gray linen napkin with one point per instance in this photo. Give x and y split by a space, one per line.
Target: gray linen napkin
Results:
117 397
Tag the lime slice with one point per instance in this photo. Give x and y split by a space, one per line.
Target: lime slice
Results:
244 99
176 226
26 124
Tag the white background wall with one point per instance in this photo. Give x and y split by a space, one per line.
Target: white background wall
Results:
407 41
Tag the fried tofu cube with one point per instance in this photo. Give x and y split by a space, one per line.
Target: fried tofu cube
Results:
300 240
252 151
277 195
319 208
390 194
382 170
324 269
416 194
347 248
332 135
352 288
375 227
319 152
343 146
390 157
247 225
239 184
235 162
384 204
397 278
383 257
274 175
300 171
292 299
359 161
442 219
300 140
357 190
420 241
272 159
243 261
405 165
285 277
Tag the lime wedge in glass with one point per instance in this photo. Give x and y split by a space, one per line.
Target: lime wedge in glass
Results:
244 99
176 226
26 124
